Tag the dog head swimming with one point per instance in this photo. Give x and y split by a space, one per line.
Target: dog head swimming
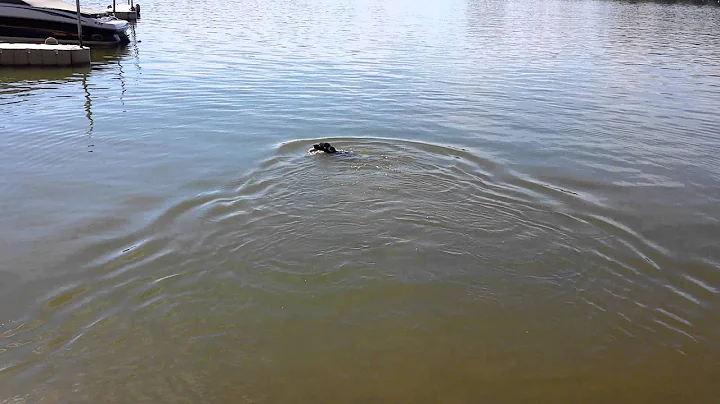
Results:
327 148
323 147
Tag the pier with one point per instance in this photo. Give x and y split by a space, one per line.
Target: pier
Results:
20 54
129 12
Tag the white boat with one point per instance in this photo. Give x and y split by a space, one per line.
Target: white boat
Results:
32 21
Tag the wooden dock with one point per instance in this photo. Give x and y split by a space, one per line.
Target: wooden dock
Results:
21 54
125 11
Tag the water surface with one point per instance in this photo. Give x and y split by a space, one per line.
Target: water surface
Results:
531 213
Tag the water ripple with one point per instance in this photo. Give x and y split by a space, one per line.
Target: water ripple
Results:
533 192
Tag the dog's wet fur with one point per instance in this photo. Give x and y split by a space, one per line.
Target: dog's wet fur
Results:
323 147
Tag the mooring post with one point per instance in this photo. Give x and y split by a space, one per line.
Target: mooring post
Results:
77 3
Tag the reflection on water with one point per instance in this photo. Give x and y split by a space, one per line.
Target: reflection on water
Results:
529 215
14 82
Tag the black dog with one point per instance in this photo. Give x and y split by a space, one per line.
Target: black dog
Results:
323 147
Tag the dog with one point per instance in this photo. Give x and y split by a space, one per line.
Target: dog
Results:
323 148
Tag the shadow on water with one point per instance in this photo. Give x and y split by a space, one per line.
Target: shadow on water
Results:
10 77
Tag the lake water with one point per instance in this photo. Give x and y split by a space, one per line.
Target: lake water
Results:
532 213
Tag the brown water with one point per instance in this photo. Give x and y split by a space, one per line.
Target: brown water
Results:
532 212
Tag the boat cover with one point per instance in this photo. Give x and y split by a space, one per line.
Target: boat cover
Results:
60 5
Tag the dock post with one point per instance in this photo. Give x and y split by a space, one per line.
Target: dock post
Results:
77 3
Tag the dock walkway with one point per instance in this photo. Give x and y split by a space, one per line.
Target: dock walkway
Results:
21 54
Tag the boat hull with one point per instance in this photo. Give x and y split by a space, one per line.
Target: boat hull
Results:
33 25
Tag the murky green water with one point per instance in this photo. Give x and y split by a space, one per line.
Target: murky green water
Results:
532 213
